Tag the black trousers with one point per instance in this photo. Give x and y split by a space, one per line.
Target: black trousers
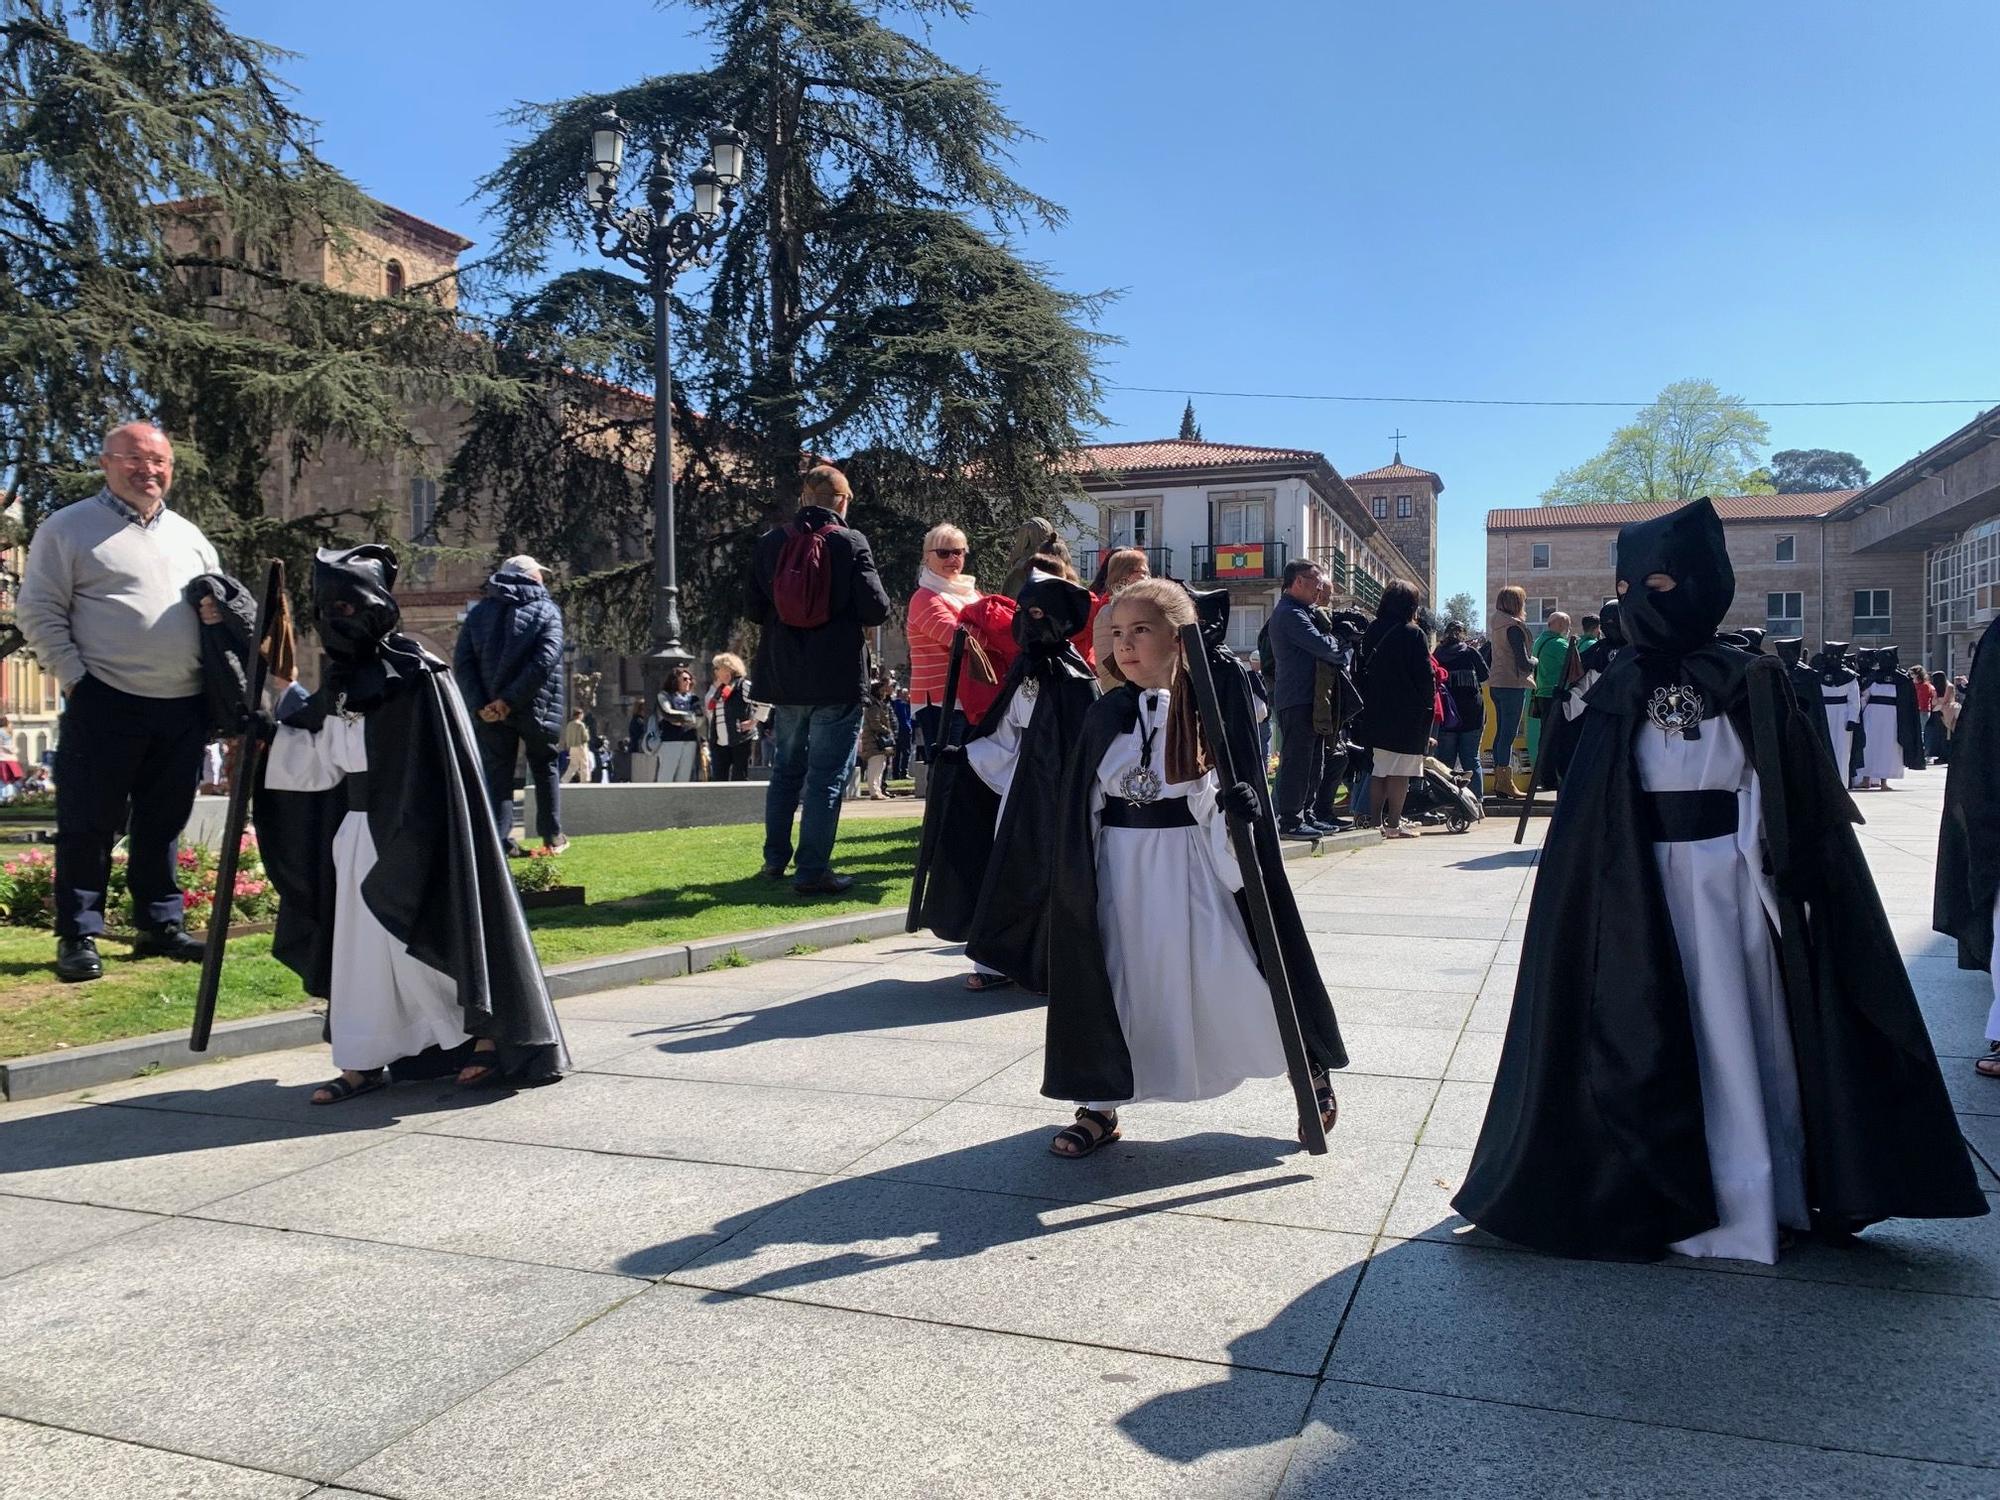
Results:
111 746
730 762
499 744
1333 771
1301 755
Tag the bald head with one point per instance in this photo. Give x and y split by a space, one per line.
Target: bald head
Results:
138 464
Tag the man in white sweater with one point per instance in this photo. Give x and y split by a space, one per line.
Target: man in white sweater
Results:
103 608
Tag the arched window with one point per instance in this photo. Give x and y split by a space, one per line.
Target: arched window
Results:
208 279
392 278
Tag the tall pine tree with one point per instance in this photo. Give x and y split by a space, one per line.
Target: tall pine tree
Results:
866 305
159 202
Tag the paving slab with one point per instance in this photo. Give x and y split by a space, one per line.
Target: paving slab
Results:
732 1123
1362 1443
867 1063
279 1086
290 1352
1366 1007
632 1216
1402 922
1260 1295
1261 1177
38 1229
772 1398
47 1463
1397 1051
1780 1359
155 1160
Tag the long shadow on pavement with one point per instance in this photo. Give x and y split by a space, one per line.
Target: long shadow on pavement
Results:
871 1005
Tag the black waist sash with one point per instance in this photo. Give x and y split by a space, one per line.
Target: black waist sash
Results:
1686 817
1166 812
1832 702
356 783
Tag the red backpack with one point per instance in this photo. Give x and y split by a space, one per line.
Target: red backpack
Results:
802 586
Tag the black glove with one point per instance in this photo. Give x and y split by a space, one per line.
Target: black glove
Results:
942 753
1240 803
257 727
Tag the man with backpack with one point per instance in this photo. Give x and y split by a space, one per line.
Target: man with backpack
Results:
813 590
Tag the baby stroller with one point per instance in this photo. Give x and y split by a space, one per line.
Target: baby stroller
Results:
1442 795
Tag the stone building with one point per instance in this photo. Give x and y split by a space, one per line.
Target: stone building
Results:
1403 501
1231 515
1938 516
1800 568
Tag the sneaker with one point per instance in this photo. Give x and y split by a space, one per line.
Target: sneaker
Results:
1306 831
170 941
77 960
514 850
557 844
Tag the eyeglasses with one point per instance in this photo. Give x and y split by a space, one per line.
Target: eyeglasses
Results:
948 551
140 460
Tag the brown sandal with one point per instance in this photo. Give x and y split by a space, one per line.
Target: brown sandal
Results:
1989 1065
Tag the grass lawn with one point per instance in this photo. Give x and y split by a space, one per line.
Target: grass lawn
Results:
647 890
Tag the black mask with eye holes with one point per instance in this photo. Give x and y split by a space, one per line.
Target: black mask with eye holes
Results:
1686 545
1610 625
1051 610
361 639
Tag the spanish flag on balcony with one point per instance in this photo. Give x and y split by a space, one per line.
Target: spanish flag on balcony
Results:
1244 560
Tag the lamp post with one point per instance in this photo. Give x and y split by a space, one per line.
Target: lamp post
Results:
662 243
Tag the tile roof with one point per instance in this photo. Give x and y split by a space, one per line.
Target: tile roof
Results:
1396 471
1729 507
1181 453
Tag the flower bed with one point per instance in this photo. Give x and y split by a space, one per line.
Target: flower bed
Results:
28 880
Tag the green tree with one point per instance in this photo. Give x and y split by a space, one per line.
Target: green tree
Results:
1462 608
1691 441
1811 471
1190 428
155 181
866 304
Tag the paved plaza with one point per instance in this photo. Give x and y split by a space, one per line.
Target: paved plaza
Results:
793 1231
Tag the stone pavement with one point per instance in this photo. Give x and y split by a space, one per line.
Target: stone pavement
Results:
794 1232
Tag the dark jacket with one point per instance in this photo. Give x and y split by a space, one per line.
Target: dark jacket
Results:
228 650
1398 688
1297 646
1465 669
826 665
510 650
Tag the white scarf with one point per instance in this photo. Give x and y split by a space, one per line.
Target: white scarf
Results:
956 592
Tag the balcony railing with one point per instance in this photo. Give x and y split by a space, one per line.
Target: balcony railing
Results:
1159 561
1239 562
1348 577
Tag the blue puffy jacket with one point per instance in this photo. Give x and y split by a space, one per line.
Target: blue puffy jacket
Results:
510 649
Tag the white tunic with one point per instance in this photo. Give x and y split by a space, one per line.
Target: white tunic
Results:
1882 756
1993 1014
385 1004
1191 1000
1724 915
1843 709
993 756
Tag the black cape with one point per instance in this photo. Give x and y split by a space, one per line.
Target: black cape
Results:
1968 859
1086 1056
1909 727
228 649
1593 1144
986 885
440 884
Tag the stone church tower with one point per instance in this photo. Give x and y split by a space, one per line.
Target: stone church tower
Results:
1404 501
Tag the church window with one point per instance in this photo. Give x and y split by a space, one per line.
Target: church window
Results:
392 278
1381 507
1403 507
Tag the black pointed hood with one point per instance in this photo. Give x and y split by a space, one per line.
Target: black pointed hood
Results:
1051 610
361 578
1211 610
1688 546
1787 648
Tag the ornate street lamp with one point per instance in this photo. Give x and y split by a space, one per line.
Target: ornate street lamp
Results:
661 243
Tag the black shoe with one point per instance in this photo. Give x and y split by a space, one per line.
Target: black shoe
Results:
77 960
771 872
828 884
514 849
1334 825
1307 831
170 941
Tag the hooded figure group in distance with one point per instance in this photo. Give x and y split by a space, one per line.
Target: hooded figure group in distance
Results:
1714 1044
396 906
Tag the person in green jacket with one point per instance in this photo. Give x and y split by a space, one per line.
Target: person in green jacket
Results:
1587 634
1552 659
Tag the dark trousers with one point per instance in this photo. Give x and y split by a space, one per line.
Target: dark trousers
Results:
899 765
499 744
111 745
1333 771
730 762
1301 755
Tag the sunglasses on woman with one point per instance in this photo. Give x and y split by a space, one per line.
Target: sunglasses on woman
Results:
948 551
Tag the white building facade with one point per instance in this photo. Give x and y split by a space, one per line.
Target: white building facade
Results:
1227 515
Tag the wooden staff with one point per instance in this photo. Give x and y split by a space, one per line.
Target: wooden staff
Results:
927 848
271 615
1263 924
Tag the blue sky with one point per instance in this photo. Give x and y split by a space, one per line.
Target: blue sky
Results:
1548 199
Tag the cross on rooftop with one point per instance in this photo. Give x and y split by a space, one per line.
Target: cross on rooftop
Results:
1397 437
